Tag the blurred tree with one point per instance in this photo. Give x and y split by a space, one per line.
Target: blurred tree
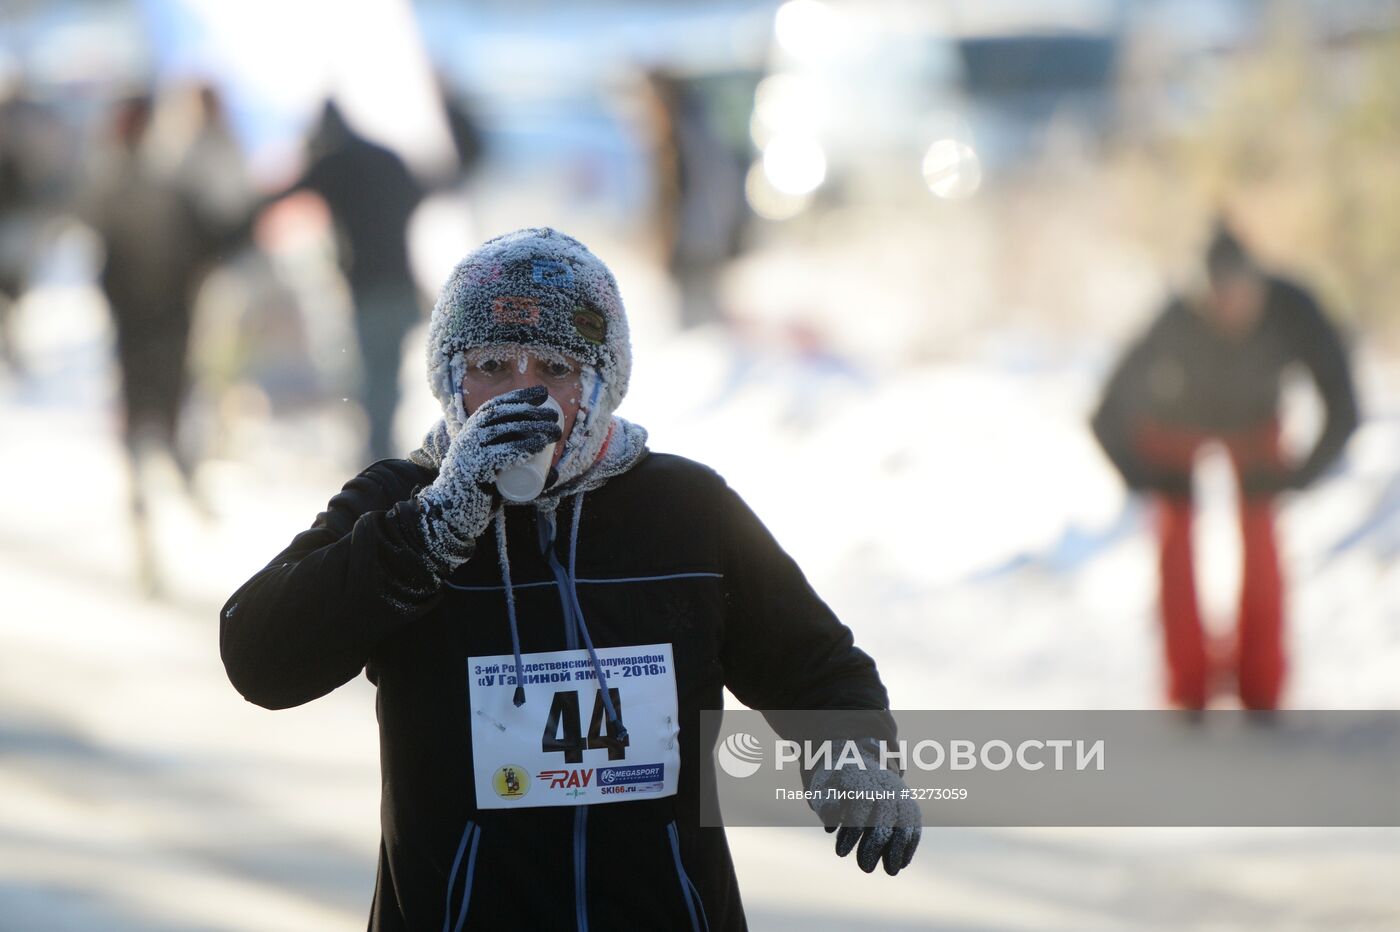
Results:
1298 144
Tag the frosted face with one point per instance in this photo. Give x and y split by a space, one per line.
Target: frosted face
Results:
496 370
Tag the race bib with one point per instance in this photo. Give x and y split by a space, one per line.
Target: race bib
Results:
560 748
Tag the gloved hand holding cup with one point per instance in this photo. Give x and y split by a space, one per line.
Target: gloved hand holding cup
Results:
524 481
503 432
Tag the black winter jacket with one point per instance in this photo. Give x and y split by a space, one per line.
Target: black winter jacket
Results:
1183 373
666 552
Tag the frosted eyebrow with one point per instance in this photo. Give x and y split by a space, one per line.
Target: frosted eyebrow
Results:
522 356
548 355
491 354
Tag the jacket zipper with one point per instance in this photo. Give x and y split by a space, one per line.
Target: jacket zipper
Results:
581 867
688 891
471 835
561 581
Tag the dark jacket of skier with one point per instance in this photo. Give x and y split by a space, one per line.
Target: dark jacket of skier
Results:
1186 375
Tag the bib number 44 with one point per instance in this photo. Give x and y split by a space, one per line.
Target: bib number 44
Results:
563 731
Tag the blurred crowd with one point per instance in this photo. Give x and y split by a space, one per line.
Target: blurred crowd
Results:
195 250
165 187
778 171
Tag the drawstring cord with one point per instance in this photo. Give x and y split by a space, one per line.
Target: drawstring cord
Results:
519 698
619 732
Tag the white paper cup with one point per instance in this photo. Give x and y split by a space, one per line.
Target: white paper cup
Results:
524 482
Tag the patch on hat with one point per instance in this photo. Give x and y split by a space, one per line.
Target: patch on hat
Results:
551 272
515 309
590 324
483 275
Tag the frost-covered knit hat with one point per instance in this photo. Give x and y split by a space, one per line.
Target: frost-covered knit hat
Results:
538 288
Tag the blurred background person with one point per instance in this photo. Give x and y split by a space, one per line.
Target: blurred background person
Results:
209 163
34 153
1210 369
463 126
698 207
195 143
157 246
371 196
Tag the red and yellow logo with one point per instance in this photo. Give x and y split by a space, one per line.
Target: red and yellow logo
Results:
515 309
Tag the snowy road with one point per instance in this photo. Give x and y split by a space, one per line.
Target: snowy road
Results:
139 792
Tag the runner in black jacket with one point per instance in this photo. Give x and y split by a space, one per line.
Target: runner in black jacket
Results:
1210 368
624 549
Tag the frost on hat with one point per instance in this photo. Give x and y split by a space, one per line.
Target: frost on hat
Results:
534 287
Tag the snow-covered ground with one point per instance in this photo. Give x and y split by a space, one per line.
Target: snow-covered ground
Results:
955 513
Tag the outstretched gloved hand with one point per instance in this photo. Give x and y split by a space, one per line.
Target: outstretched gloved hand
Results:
501 432
870 811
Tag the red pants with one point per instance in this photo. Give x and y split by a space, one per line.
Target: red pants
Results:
1257 654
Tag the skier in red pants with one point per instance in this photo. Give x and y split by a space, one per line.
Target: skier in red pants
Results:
1208 369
